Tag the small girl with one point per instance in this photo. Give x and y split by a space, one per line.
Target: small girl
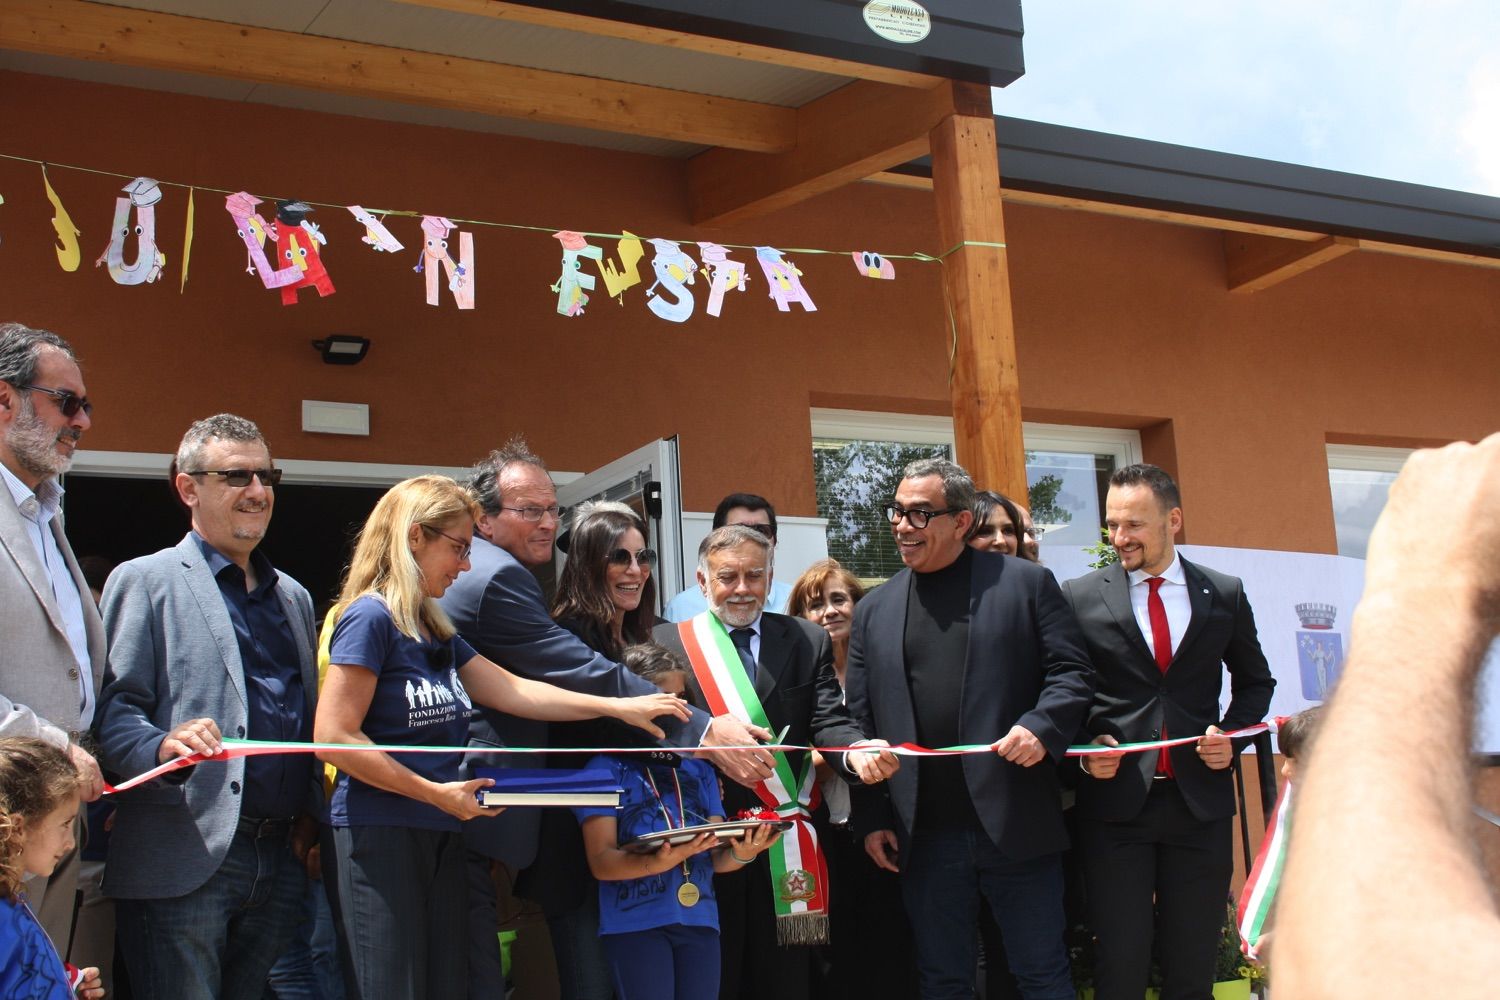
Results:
658 920
38 806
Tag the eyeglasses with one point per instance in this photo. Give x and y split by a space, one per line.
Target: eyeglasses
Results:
768 530
917 518
464 548
644 558
1034 531
239 478
535 513
68 402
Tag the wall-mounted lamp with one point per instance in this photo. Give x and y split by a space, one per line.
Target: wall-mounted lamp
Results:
341 349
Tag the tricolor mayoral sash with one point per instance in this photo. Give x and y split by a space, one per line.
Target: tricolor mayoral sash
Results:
799 876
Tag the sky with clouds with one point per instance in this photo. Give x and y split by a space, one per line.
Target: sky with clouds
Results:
1402 89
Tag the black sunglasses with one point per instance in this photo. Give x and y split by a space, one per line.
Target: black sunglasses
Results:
269 478
645 558
69 403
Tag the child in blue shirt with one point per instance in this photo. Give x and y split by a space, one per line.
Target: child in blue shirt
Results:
38 807
658 920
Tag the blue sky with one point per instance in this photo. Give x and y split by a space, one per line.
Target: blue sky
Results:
1390 88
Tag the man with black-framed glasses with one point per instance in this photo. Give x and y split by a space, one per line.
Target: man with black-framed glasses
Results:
969 647
208 640
52 657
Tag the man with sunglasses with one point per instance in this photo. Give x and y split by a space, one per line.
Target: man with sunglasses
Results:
756 513
969 647
498 607
52 657
208 640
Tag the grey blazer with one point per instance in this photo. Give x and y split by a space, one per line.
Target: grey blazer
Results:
38 671
174 657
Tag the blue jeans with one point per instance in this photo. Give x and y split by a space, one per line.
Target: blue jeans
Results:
219 941
309 968
942 879
665 963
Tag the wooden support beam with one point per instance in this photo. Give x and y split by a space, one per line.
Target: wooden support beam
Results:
845 136
984 384
80 30
524 14
1253 263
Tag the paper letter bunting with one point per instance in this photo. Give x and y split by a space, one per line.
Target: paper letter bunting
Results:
376 235
723 274
68 254
435 254
572 286
252 231
785 280
142 194
674 271
872 265
630 250
297 242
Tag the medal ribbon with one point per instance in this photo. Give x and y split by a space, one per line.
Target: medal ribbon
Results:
722 678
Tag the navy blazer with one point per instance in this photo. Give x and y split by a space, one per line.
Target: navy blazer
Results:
1135 698
1025 665
497 606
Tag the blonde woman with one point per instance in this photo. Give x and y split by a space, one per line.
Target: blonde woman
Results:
400 675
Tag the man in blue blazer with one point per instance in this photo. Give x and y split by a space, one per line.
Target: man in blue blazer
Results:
965 647
1155 827
207 639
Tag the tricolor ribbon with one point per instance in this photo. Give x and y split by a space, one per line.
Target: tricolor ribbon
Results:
232 748
1259 894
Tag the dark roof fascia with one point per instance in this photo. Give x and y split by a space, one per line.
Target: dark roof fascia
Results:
1096 166
978 41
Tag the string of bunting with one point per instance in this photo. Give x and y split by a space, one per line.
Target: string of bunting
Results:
232 748
286 252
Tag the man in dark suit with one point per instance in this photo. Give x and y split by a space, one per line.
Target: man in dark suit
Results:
1157 825
965 647
497 606
789 665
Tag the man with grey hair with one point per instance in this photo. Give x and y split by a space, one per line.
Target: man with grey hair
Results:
498 607
775 672
52 658
208 640
969 647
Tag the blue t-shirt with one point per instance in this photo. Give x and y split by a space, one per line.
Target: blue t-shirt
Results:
643 903
418 701
29 966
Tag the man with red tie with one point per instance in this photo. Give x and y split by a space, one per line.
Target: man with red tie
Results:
1155 828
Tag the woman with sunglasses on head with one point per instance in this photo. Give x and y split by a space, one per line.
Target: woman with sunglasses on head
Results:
400 675
607 597
869 944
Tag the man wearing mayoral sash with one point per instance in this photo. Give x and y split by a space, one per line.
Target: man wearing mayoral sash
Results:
960 648
775 672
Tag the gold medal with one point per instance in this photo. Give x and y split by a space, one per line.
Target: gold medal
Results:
688 894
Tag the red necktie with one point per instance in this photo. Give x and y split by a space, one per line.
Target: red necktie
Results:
1161 645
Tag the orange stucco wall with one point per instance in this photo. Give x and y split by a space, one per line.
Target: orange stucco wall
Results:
1118 322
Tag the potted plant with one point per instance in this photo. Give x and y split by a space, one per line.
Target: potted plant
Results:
1232 971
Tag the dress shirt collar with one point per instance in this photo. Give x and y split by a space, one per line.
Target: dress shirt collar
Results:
753 626
1173 573
265 573
38 506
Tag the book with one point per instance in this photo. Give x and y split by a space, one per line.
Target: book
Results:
724 830
547 787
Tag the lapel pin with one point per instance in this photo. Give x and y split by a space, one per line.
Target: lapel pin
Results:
1205 590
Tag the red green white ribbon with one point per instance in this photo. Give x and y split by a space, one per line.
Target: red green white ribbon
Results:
799 875
1259 894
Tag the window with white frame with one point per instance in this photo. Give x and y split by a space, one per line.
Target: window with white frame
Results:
1360 477
857 462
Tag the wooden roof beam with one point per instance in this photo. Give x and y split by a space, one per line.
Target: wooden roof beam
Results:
1253 263
526 14
100 33
858 130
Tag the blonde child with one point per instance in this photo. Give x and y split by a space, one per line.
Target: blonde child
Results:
38 806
